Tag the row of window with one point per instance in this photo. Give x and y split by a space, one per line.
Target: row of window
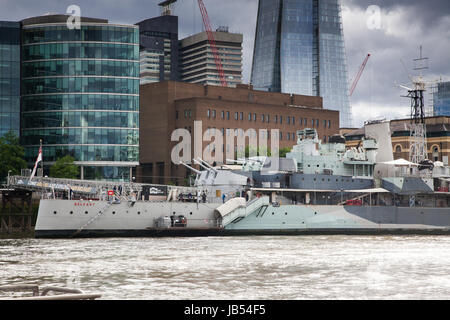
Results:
291 136
80 68
80 136
86 33
80 102
81 85
81 50
84 153
80 119
265 118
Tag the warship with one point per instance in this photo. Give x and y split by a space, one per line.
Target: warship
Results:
319 188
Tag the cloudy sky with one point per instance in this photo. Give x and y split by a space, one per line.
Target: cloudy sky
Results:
403 26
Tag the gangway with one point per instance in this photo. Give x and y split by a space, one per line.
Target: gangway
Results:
236 209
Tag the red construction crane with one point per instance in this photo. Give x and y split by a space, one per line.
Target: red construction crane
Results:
212 43
358 76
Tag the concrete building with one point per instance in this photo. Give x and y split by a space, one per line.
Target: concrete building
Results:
158 49
197 60
167 106
438 138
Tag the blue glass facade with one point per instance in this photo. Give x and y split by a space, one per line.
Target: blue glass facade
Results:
9 77
299 48
441 99
80 95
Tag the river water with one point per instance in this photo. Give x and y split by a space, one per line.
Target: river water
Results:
269 268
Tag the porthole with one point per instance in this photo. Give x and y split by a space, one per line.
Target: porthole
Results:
273 213
139 212
86 212
71 212
190 213
113 212
285 213
54 212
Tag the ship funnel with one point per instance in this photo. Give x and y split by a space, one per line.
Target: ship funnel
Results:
381 132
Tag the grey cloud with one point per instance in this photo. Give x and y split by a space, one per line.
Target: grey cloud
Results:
424 23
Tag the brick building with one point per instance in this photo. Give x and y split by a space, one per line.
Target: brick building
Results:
170 105
438 138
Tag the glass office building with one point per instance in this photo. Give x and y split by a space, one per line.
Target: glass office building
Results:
441 99
300 49
9 77
80 94
159 49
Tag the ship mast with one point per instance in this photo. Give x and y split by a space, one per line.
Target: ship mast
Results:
418 135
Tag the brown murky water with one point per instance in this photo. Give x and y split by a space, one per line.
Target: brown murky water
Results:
304 267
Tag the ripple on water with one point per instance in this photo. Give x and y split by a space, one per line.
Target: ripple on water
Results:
316 267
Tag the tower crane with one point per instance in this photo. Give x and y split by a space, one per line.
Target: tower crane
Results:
212 43
358 76
166 9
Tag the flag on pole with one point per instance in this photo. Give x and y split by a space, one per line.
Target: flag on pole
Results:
39 159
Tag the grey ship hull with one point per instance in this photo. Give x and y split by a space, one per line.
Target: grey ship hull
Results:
139 221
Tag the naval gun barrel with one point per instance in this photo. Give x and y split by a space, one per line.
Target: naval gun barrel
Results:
207 164
189 167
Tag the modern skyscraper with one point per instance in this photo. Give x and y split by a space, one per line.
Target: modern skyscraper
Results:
9 77
300 49
159 49
80 94
197 60
441 99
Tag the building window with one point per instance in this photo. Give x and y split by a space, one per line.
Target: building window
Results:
288 122
293 121
312 122
209 113
214 114
190 114
254 117
324 123
281 119
236 116
276 119
329 124
228 115
268 118
281 135
289 136
176 114
222 115
249 117
262 118
398 149
306 121
317 123
300 120
242 116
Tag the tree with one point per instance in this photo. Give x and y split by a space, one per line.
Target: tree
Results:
64 168
11 156
284 151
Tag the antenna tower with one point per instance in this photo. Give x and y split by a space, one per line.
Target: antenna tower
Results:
418 134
